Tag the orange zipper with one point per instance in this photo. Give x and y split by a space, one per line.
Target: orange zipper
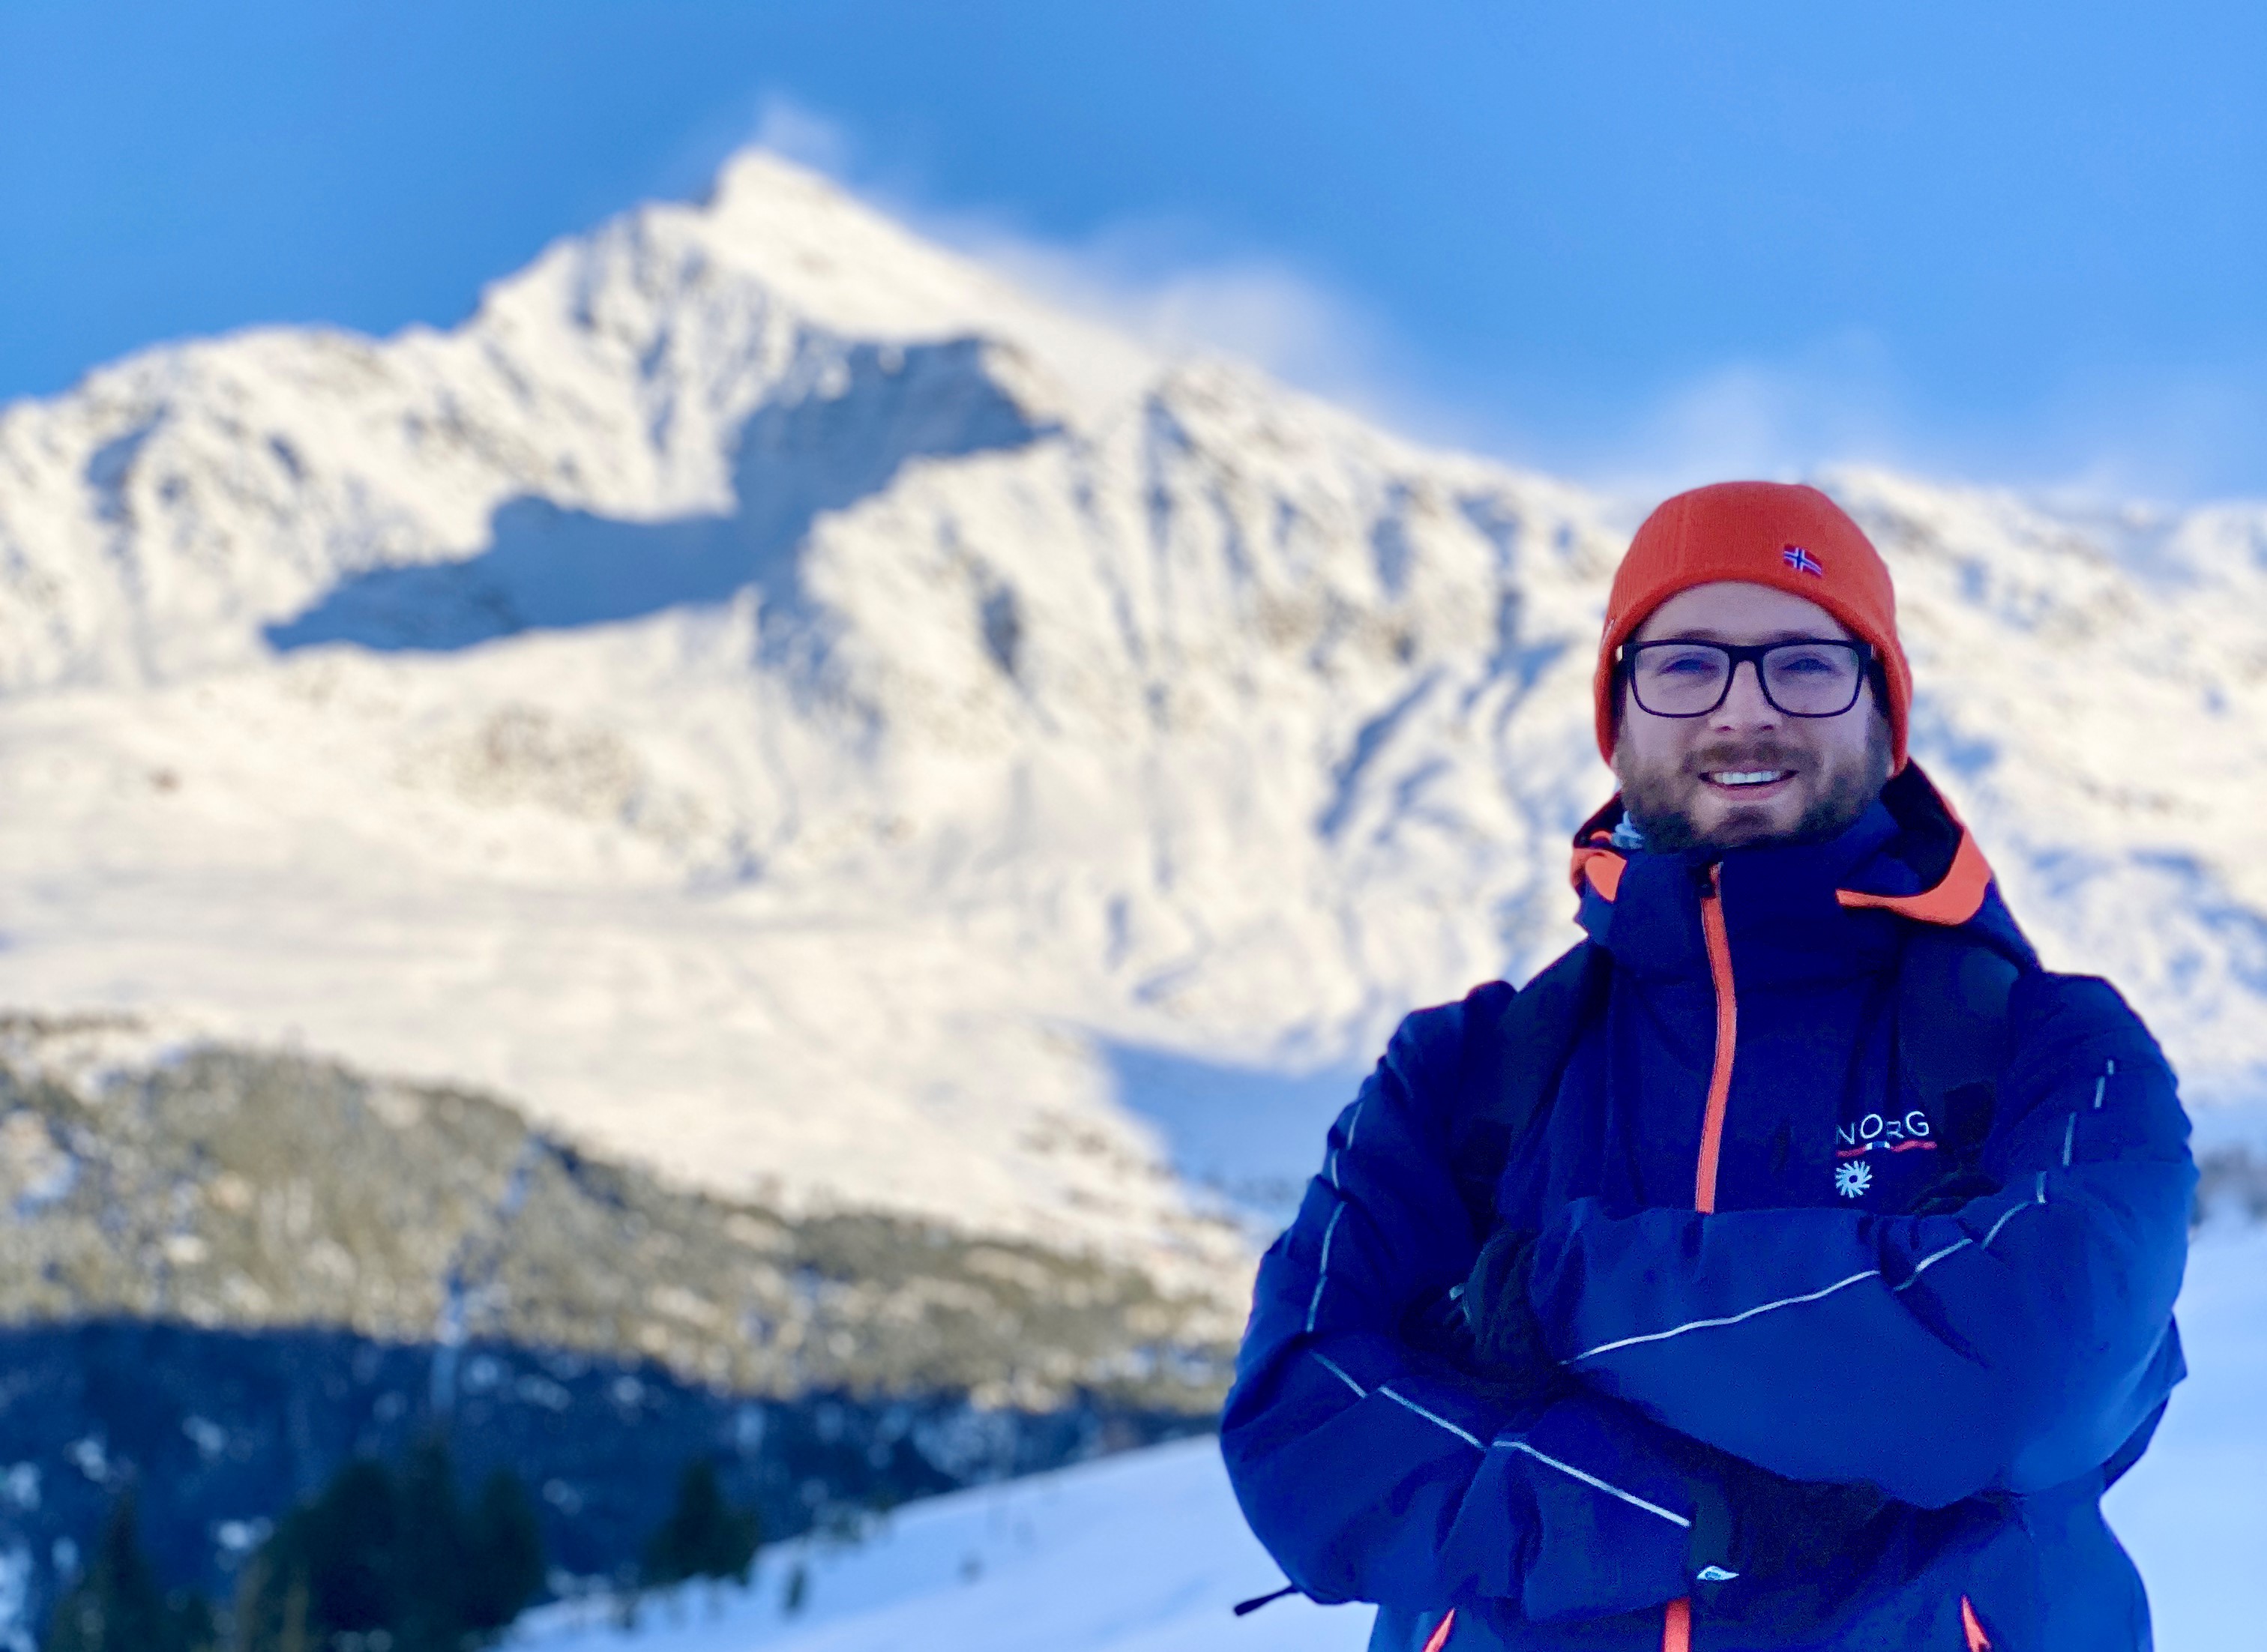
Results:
1677 1621
1728 1031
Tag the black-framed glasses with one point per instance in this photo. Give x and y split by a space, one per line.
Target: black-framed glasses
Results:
1808 676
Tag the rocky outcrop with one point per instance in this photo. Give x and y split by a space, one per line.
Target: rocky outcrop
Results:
244 1190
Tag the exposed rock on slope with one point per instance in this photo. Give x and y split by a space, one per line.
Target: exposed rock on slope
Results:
241 1190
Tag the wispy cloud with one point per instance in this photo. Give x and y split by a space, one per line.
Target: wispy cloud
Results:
786 128
1169 281
1838 401
1843 400
1142 278
2167 436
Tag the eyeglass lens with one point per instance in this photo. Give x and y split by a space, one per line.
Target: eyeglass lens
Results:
1803 679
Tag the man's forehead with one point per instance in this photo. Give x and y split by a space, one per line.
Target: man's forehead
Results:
1732 611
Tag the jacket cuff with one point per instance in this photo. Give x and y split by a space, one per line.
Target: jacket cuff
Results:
1613 1518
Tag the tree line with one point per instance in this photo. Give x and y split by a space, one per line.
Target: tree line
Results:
382 1560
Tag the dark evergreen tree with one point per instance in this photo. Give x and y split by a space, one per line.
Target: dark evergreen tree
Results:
194 1629
375 1552
343 1545
503 1554
328 1570
428 1556
117 1604
704 1536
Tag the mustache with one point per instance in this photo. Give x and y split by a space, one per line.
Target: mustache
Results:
1748 755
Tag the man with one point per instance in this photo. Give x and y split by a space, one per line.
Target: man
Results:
1791 1265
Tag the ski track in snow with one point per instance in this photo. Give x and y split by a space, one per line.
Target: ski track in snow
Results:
1147 1551
776 702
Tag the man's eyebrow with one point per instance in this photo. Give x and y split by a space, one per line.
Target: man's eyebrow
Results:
1709 634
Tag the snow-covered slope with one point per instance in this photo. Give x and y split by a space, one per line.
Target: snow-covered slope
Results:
2193 1514
1147 1551
780 704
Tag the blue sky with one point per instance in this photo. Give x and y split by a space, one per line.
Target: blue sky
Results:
1641 242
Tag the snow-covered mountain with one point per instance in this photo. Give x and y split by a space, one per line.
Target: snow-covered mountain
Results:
785 706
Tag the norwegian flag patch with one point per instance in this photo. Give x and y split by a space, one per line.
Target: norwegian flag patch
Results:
1802 561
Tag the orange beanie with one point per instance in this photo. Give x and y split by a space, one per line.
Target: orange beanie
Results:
1792 539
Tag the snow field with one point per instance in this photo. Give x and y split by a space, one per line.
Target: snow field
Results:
1141 1553
2193 1513
1147 1551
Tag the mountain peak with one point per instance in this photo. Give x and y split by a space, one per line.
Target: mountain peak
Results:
853 268
786 706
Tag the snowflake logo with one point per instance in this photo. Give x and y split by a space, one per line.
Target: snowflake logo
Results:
1851 1181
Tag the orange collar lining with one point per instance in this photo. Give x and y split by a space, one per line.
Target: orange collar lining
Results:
1956 899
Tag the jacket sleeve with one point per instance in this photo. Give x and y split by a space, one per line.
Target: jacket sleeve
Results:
2011 1346
1371 1474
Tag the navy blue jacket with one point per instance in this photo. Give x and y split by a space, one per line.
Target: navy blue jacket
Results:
1989 1368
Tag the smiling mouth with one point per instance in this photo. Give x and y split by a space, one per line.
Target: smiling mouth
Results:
1747 779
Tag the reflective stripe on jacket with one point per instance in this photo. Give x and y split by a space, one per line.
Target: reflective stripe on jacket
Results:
1990 1367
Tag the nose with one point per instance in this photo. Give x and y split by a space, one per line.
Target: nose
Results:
1744 706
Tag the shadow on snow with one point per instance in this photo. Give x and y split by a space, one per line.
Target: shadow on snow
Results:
548 568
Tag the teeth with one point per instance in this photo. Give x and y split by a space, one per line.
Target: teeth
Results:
1749 776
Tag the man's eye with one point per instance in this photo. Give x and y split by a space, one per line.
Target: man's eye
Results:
1813 664
1687 666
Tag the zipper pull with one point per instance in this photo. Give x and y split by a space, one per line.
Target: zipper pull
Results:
1245 1608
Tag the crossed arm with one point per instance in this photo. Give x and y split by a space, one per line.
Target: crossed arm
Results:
1374 1474
2012 1345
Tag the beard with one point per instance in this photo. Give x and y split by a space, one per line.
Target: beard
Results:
1660 801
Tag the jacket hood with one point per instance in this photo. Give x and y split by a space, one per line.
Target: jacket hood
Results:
1927 868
